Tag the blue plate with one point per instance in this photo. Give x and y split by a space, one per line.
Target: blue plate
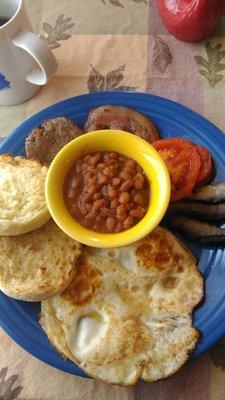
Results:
20 319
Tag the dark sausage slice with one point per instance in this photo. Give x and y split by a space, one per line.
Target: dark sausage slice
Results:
44 142
210 193
198 230
205 212
122 118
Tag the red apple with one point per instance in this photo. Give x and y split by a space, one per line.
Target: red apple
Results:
191 20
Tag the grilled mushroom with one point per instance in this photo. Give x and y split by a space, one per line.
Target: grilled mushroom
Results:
210 193
205 212
203 232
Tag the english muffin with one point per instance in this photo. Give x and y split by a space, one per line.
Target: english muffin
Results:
22 195
39 264
128 312
45 141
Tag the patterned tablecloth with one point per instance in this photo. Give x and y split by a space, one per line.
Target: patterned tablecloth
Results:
118 45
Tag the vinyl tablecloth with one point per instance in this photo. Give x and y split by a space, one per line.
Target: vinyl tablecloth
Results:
118 45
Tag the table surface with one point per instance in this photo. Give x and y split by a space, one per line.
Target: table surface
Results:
108 45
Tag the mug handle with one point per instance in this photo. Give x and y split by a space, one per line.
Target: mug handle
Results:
42 55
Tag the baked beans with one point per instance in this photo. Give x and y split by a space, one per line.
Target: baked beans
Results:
106 192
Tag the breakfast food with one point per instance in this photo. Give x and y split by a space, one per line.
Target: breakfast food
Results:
128 312
22 198
123 313
205 212
206 168
45 142
106 192
121 118
189 166
37 265
205 204
210 193
198 230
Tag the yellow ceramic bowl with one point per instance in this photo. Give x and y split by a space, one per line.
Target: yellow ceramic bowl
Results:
129 145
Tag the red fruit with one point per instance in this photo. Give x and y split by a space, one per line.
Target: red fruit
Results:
191 20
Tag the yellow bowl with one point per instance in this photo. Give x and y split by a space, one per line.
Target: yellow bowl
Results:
129 145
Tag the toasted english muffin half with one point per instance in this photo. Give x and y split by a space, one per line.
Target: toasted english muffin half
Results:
38 264
128 312
22 195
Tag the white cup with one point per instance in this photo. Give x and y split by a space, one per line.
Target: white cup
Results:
26 63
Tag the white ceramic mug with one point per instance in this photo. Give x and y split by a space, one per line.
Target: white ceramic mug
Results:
26 63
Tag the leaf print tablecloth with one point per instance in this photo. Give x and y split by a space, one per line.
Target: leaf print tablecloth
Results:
117 45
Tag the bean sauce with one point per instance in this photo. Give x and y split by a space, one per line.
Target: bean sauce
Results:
106 192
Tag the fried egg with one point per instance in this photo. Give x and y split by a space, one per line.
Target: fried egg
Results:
128 312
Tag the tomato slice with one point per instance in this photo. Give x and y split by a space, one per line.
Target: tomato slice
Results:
183 163
206 169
